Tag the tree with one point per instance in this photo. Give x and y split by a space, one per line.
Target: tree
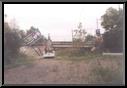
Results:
89 38
112 21
6 27
12 43
22 33
112 18
31 30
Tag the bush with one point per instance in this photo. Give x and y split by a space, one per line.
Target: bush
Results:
113 40
12 44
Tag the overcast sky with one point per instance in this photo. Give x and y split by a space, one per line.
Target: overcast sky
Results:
57 19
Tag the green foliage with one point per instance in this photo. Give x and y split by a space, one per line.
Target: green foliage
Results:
32 30
20 59
113 23
89 38
76 54
22 33
6 27
117 44
107 75
12 44
76 40
112 18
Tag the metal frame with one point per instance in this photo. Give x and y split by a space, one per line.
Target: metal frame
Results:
32 41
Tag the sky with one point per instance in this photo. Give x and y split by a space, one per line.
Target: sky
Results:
58 20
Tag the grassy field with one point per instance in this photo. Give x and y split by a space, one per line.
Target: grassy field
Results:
105 69
68 67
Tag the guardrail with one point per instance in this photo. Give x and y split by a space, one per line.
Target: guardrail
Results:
69 45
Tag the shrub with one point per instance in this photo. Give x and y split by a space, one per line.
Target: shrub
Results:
113 40
11 46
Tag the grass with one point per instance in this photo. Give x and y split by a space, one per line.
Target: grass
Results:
76 55
96 74
23 58
107 75
99 74
19 60
69 54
